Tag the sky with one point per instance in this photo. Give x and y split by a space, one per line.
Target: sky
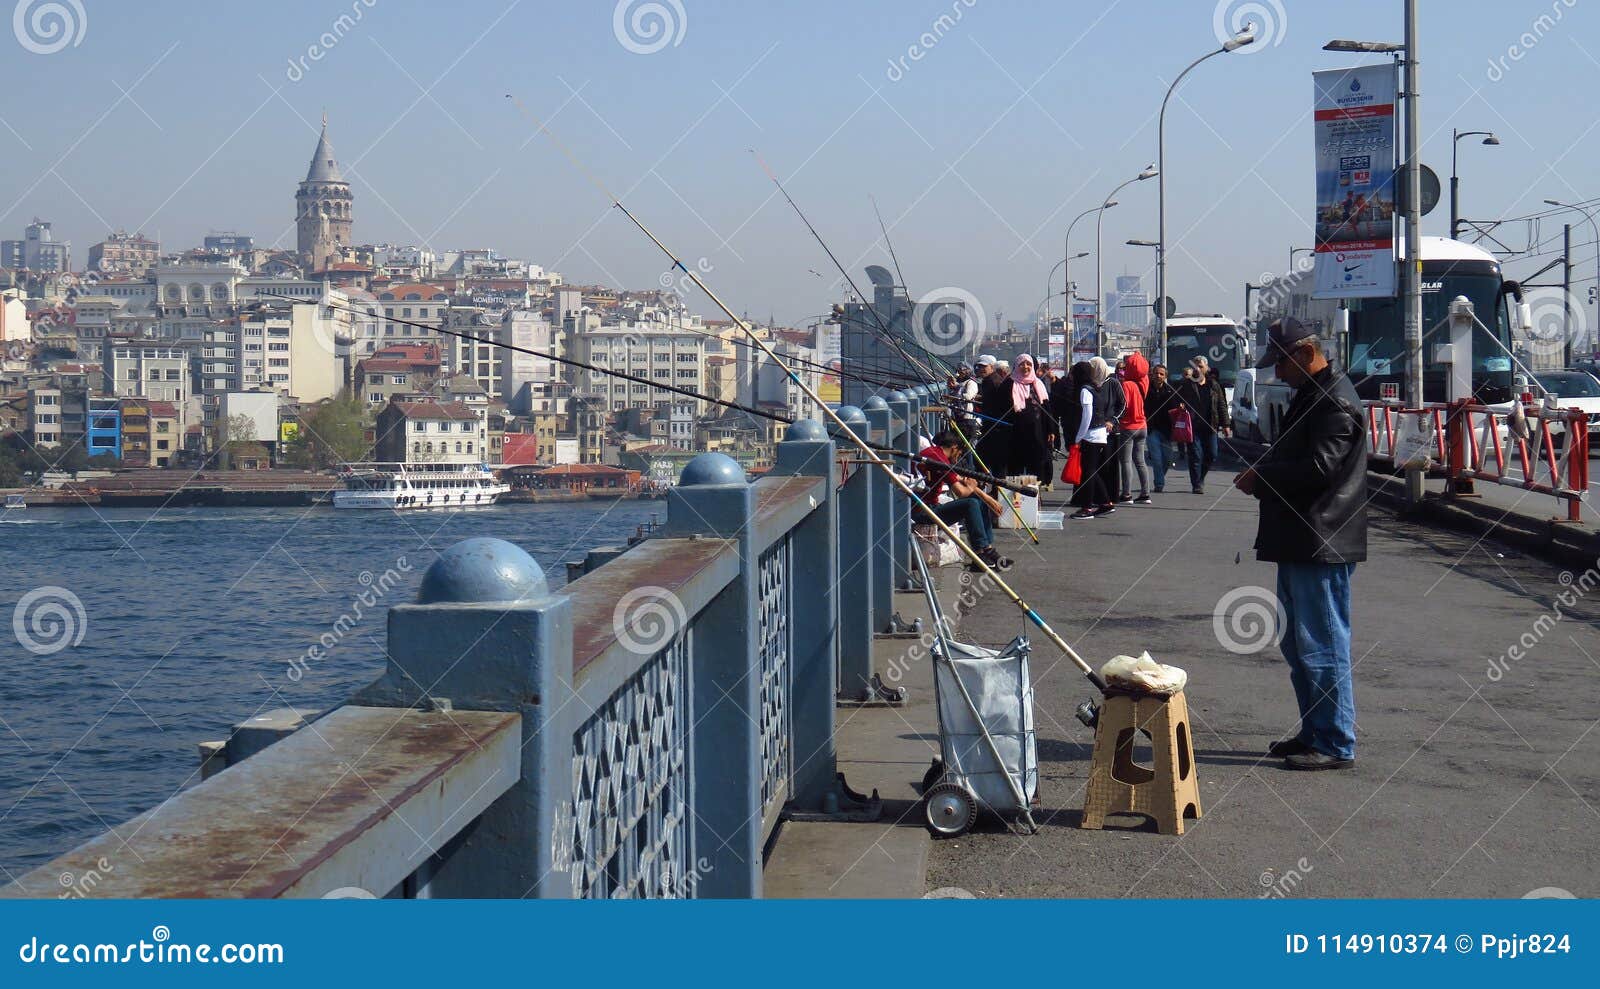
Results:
980 136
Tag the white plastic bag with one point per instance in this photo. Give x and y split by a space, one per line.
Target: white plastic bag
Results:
1143 675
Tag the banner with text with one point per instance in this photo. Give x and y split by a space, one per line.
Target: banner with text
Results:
1355 135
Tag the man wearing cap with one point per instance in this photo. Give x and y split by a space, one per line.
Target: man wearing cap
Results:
963 398
994 401
1313 493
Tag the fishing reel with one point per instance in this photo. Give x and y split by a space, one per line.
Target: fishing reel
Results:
1088 713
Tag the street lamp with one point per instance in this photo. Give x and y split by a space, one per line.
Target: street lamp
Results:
1455 182
1066 249
1413 200
1587 215
1150 172
1239 40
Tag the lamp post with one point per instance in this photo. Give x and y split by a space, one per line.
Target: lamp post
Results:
1063 263
1066 251
1137 242
1239 40
1406 55
1587 215
1455 181
1149 172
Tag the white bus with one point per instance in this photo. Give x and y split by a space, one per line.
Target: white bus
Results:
1223 343
1372 349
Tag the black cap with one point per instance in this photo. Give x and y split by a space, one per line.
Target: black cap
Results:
1282 335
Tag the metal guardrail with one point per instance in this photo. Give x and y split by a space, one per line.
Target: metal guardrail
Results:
1466 442
640 734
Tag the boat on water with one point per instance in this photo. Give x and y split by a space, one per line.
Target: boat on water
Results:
16 502
422 486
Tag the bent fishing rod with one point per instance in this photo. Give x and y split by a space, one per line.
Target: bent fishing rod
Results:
884 331
840 425
685 392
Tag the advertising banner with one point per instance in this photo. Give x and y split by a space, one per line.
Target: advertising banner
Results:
1355 139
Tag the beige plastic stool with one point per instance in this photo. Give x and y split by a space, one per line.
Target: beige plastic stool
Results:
1170 790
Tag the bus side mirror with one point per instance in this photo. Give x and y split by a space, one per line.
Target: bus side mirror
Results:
1522 318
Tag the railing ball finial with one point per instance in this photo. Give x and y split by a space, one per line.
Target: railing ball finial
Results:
711 468
852 416
899 396
483 570
809 430
875 403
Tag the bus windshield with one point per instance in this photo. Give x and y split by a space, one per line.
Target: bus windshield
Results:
1377 346
1218 343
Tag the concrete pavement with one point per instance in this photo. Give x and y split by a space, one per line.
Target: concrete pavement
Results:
1478 774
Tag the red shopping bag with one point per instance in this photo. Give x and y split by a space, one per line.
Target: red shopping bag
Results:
1072 470
1182 426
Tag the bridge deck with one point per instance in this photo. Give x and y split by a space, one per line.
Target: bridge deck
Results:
1465 785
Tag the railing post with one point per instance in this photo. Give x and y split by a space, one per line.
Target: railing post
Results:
879 539
712 498
814 575
902 406
486 635
857 558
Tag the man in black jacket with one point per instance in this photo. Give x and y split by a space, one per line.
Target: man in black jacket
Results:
1313 493
1207 402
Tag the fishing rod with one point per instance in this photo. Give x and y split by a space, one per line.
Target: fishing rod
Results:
678 390
842 426
886 333
880 382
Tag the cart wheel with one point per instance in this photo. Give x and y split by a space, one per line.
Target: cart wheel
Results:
950 809
934 774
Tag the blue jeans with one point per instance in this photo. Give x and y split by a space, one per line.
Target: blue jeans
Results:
1202 454
1157 455
972 513
1316 643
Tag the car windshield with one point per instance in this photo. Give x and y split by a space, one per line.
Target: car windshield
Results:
1570 384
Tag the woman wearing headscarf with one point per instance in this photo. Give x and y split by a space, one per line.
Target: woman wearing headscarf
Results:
1033 428
1110 386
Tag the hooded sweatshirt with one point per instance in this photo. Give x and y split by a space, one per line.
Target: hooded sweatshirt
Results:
1135 382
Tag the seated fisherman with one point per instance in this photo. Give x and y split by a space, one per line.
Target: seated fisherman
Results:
969 504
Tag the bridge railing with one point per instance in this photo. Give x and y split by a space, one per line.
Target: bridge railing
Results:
639 734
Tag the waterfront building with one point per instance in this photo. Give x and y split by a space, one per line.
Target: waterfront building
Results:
669 352
416 303
431 432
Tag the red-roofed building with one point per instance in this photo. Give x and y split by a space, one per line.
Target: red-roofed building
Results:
431 432
577 478
520 450
396 370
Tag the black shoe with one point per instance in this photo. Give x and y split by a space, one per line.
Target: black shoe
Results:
1199 491
992 557
1287 747
1082 513
1106 510
1126 499
1142 500
1313 760
1160 490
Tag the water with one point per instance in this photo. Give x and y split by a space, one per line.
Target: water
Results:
190 619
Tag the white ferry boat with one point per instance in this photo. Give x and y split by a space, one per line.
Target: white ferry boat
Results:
419 485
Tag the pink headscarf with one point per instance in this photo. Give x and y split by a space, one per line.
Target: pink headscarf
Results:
1022 384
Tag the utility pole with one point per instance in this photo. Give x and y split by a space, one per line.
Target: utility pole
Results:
1566 295
1413 262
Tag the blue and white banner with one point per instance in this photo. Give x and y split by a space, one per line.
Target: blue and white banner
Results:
1355 140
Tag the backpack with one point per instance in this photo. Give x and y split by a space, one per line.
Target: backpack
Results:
1116 398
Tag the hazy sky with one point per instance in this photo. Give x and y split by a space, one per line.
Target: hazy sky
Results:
176 118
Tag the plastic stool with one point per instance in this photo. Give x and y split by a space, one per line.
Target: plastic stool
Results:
1169 790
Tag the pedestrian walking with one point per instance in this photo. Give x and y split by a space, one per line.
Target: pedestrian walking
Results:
1203 397
1116 401
1312 490
1133 432
1033 428
1158 403
1092 495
